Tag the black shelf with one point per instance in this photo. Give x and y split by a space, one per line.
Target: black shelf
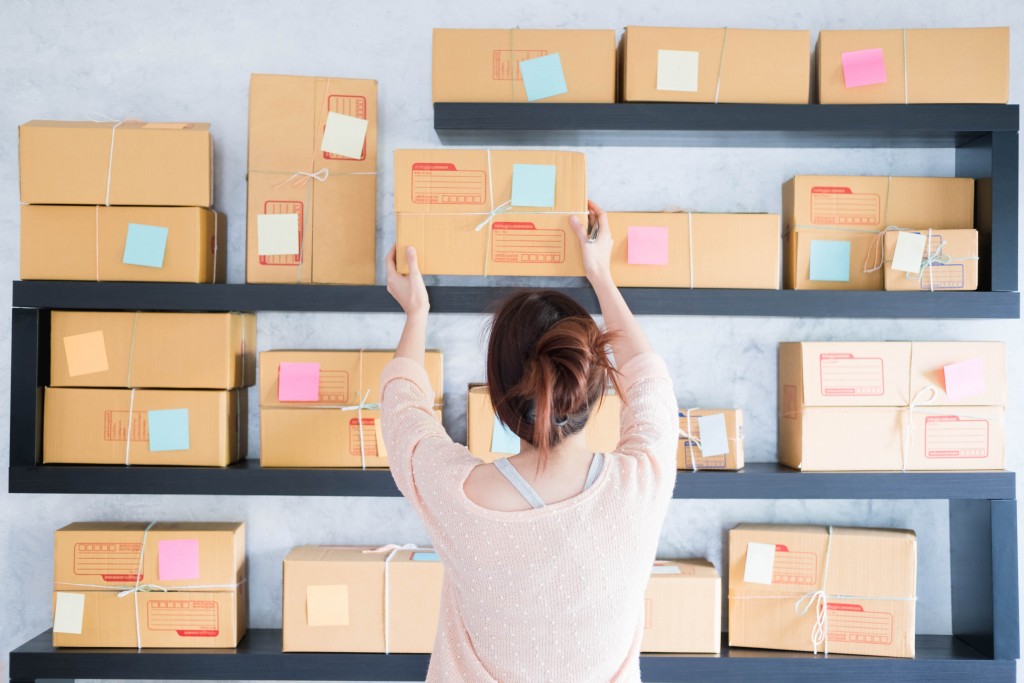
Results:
259 657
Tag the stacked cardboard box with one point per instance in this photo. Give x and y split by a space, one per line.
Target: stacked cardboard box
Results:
160 585
710 439
148 388
892 405
127 201
683 608
939 260
321 408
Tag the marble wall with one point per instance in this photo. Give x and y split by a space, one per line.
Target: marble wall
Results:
179 60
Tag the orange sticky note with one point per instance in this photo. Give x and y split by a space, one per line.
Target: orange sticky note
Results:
86 353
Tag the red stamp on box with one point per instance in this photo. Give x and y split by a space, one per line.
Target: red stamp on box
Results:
505 63
349 105
522 242
949 436
273 206
842 206
843 374
369 438
113 562
850 623
795 568
187 618
443 183
117 428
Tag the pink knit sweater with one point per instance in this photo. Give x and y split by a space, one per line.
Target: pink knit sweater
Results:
549 594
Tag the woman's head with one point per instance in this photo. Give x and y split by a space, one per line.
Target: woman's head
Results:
547 366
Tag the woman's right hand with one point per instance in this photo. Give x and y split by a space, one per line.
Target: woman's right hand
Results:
597 255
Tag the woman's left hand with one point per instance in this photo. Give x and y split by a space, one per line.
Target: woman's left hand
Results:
408 290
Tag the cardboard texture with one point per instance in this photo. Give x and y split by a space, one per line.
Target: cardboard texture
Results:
867 567
922 66
352 583
337 207
111 426
683 608
955 267
730 250
689 450
482 65
856 209
145 164
159 350
733 65
98 560
443 195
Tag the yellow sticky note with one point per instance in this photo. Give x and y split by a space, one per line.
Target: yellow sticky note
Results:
344 135
68 612
86 353
327 605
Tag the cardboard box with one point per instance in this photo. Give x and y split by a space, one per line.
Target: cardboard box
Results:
333 197
334 599
855 209
158 350
129 163
689 449
922 66
730 250
443 195
482 65
112 426
870 587
92 243
683 608
724 65
954 268
199 566
601 432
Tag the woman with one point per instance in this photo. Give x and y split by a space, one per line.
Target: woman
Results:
546 554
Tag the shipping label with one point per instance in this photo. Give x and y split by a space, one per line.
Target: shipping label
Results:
187 618
942 276
795 568
523 242
334 386
949 436
274 206
114 562
842 206
850 623
369 444
117 428
843 374
505 63
443 183
349 105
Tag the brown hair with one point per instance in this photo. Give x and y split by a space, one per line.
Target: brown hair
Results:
547 366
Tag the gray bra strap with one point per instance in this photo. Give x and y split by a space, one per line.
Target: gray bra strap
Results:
595 469
516 479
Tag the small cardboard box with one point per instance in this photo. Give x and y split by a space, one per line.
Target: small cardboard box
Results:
335 599
601 432
955 267
129 163
92 243
730 250
870 588
454 206
482 65
152 350
855 209
683 608
719 65
112 427
198 567
689 449
334 198
921 66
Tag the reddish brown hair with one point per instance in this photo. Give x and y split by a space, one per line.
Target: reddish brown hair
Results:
547 366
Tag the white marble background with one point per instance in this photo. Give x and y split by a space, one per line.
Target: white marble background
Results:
178 60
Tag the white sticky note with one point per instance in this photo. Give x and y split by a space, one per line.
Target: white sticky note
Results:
665 569
68 613
277 234
909 252
344 135
760 560
677 70
714 439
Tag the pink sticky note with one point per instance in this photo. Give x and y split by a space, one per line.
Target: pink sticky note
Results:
646 246
965 379
864 67
298 382
178 559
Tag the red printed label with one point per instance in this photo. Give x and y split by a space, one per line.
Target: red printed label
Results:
849 623
113 562
188 618
441 183
843 374
333 386
505 63
948 436
368 435
841 206
349 105
521 242
795 568
276 207
117 428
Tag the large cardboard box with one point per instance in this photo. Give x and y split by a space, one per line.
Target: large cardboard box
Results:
331 431
690 448
152 350
482 65
717 65
952 263
333 198
92 243
683 608
601 433
921 66
335 599
194 576
127 163
454 206
869 587
854 209
112 427
729 250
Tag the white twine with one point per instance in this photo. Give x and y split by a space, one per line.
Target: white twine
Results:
301 178
128 435
138 574
906 85
390 549
131 349
97 243
721 62
216 220
110 160
689 234
691 440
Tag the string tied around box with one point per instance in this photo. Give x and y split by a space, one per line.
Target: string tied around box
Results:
690 439
721 67
113 137
391 549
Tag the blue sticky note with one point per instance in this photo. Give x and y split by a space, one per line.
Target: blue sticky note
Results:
145 245
533 185
425 557
543 77
503 439
168 430
830 260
